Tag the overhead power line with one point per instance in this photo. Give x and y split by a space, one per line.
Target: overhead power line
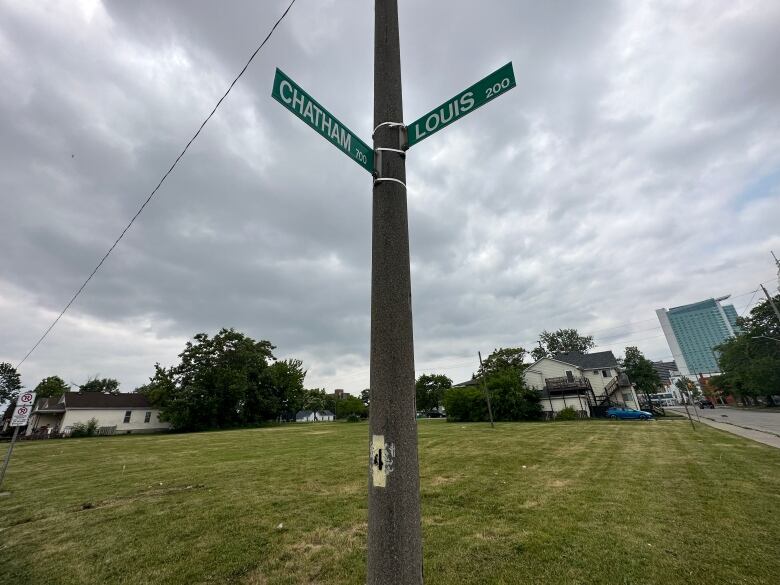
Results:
162 180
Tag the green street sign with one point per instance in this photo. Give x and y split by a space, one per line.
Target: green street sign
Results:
494 85
291 96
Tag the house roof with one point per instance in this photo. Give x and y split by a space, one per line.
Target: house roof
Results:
303 413
325 412
588 361
51 404
472 382
100 400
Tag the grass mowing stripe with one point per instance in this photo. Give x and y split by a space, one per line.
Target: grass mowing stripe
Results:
578 502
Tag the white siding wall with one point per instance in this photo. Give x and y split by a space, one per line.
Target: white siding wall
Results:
559 403
109 417
598 381
548 368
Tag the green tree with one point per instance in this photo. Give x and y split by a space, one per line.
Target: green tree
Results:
750 361
641 372
561 341
511 399
160 387
10 383
501 359
351 405
465 403
280 391
365 396
51 387
222 382
430 389
104 385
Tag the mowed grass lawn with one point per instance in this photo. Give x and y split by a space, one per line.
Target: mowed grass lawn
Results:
547 503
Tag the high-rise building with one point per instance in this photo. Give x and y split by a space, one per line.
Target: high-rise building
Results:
693 331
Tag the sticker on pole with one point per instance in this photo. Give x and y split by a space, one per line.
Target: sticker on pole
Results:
20 416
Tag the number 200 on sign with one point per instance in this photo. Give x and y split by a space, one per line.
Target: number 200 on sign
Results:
497 88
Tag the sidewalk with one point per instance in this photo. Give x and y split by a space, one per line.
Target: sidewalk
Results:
760 436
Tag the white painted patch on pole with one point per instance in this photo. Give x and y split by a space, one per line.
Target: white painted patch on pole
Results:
382 456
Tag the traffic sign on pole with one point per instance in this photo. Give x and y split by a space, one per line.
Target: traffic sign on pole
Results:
485 90
26 398
291 96
20 416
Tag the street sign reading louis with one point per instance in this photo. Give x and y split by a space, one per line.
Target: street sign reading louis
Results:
489 88
291 96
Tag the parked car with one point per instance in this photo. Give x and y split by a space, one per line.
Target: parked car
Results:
705 404
616 412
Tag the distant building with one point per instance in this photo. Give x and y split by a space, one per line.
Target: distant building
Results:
666 371
303 416
115 413
693 331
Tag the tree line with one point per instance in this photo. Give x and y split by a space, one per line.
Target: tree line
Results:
228 380
750 361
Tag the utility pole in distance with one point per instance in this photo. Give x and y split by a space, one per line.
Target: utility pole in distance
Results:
394 527
771 302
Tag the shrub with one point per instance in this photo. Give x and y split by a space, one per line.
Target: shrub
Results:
465 404
567 413
353 418
87 429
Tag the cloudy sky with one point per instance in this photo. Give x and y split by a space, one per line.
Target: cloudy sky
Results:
635 166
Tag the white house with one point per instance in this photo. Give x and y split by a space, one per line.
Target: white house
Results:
313 416
116 413
589 383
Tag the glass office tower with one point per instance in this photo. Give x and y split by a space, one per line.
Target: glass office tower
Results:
693 331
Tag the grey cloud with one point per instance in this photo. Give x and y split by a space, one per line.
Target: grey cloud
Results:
599 189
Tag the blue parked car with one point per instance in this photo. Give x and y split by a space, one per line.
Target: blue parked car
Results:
615 412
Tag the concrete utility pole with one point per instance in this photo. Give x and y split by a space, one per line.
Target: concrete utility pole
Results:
394 529
771 302
8 454
487 394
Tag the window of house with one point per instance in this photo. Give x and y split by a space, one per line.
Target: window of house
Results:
147 417
569 376
127 415
605 373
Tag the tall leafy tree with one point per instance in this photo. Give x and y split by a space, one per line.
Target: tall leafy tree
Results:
51 387
430 390
510 398
503 358
365 396
561 341
349 406
222 382
641 372
104 385
750 362
10 382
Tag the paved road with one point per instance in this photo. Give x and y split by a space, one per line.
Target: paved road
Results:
760 426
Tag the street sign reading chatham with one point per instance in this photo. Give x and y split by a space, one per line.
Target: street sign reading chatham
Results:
291 96
485 90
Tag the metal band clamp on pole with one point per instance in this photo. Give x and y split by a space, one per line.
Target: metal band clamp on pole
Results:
378 178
